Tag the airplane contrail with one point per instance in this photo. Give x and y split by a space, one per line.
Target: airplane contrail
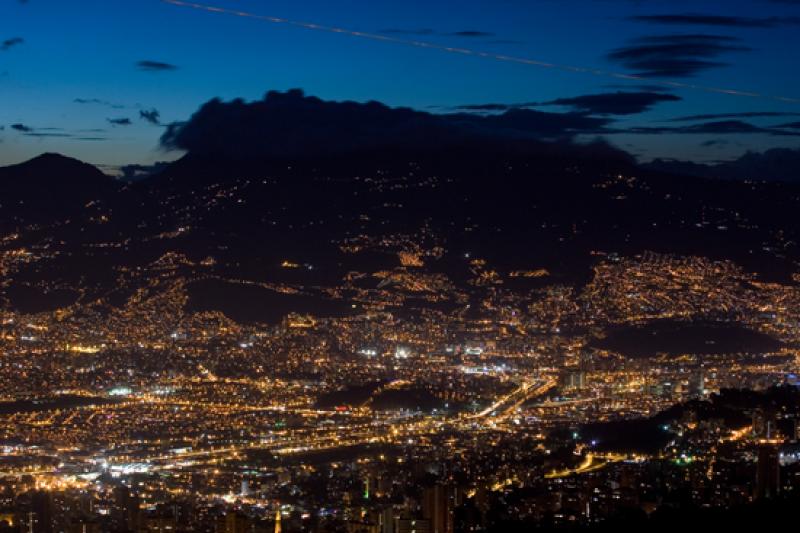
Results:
476 53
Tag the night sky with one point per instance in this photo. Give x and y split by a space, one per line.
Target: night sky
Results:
100 80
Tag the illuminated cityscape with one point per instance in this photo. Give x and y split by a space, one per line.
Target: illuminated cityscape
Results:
155 412
549 311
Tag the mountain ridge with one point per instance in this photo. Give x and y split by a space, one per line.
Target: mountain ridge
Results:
328 217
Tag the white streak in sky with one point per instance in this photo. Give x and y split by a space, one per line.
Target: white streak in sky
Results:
477 53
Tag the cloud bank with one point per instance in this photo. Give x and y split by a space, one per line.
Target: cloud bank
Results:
289 124
675 56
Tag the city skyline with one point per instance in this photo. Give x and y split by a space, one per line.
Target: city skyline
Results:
399 267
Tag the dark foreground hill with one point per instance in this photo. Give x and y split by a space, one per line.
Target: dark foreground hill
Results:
49 188
551 208
530 206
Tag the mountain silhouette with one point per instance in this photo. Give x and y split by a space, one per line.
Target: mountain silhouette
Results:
558 208
50 187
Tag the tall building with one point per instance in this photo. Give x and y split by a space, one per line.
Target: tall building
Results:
575 379
386 521
41 512
438 507
126 512
767 473
763 424
697 384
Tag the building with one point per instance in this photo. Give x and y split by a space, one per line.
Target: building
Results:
438 507
767 473
126 512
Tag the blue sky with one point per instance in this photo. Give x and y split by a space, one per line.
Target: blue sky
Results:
89 49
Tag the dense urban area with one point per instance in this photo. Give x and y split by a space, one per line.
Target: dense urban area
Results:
180 396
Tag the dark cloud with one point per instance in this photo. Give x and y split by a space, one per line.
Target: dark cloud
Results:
741 114
30 131
45 134
429 31
8 44
790 125
61 133
715 143
643 87
492 107
98 101
674 56
471 33
777 164
155 66
527 124
152 116
138 172
119 121
721 127
292 124
693 19
618 103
